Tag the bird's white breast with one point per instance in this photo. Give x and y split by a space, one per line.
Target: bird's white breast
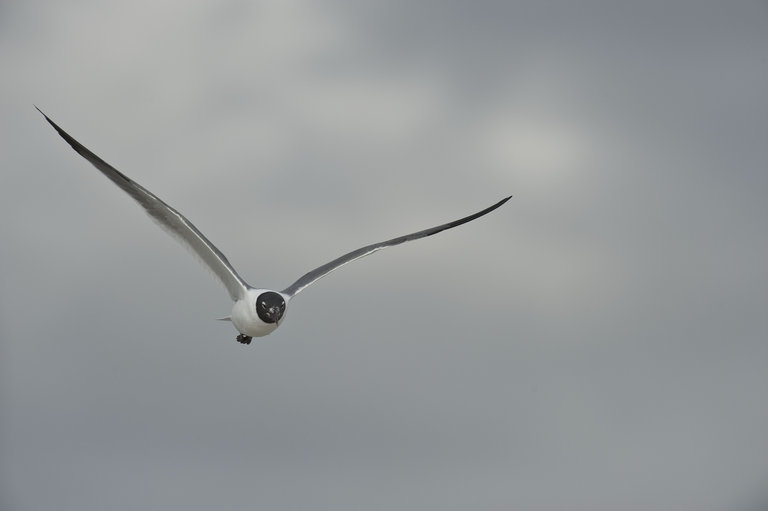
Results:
245 318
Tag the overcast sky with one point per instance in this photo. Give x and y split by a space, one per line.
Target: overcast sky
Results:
598 343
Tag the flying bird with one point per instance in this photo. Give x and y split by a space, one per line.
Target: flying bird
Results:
256 311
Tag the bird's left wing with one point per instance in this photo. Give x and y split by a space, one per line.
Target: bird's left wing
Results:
327 268
168 218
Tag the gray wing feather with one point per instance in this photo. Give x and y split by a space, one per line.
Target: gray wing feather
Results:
168 218
325 269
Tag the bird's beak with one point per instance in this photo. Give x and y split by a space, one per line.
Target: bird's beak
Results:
275 313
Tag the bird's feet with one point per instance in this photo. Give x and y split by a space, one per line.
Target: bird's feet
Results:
244 339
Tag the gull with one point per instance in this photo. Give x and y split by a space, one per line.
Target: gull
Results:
256 311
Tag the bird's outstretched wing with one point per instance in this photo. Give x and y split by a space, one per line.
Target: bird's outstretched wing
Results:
168 218
327 268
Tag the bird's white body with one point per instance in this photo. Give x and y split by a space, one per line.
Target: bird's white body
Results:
246 319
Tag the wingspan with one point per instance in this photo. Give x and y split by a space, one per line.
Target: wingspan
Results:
327 268
168 218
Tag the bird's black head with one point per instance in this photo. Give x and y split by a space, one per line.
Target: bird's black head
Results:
270 307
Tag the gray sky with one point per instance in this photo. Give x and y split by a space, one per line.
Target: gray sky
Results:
598 343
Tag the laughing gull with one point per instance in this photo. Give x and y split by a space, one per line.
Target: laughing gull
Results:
257 312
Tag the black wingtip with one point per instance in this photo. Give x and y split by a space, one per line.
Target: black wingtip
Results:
85 152
77 146
49 120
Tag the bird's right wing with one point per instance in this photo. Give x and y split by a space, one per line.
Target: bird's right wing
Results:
168 218
327 268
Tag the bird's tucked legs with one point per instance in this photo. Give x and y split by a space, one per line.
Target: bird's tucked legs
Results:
244 339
